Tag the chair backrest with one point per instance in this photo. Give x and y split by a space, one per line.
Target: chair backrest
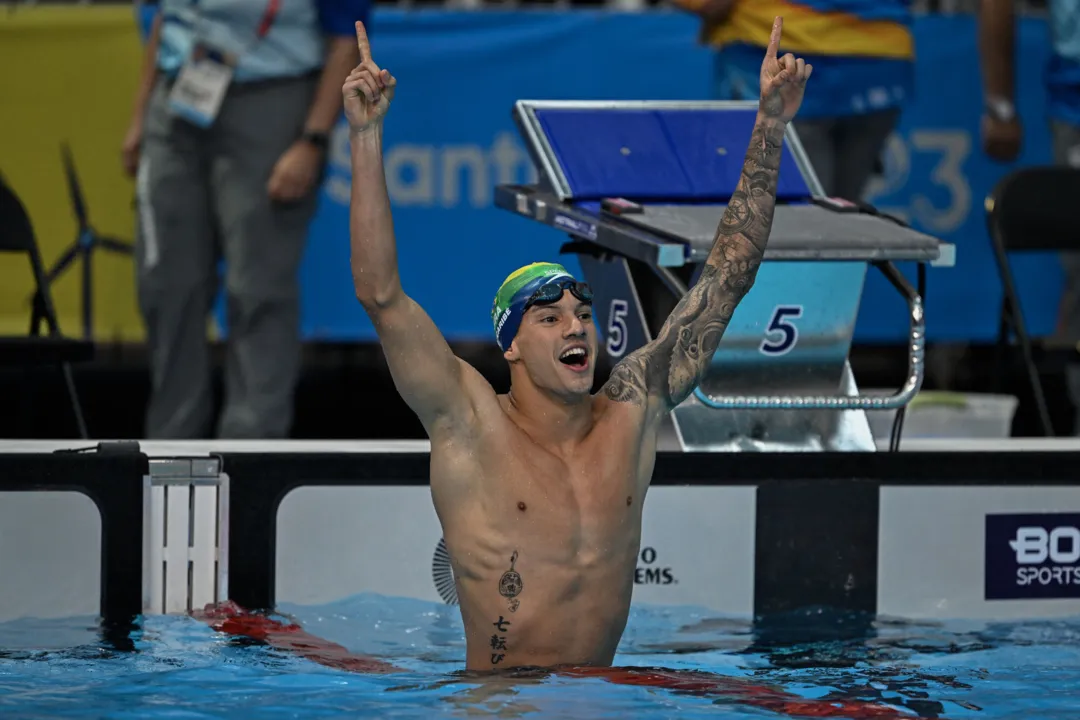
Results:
1036 209
16 232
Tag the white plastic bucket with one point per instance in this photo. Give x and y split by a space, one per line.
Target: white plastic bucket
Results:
949 415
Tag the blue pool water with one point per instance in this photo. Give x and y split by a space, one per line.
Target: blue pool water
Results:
177 667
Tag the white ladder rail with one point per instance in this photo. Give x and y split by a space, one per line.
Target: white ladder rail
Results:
185 553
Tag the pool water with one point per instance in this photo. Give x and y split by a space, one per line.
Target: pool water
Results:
831 666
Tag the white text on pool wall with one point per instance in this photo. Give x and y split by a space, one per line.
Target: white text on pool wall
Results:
1042 562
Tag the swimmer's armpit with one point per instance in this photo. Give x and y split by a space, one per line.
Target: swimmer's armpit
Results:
664 372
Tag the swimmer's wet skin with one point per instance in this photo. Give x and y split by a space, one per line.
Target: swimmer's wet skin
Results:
540 491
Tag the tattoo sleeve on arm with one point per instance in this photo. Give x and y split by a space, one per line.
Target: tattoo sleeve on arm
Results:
670 367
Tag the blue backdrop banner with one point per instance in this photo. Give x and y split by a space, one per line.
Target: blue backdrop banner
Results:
450 139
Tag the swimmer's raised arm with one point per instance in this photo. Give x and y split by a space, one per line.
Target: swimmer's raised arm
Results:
429 377
664 372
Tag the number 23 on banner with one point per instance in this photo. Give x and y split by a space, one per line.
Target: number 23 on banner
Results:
925 170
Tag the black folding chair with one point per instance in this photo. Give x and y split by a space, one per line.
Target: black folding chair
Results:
35 349
1033 210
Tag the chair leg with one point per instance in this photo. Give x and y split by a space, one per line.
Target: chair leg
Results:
76 407
37 314
1017 322
1036 384
1001 352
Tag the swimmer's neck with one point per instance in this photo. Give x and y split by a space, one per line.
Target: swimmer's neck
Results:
552 421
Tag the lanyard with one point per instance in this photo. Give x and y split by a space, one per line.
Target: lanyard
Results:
269 16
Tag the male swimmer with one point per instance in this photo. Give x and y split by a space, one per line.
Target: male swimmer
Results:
540 491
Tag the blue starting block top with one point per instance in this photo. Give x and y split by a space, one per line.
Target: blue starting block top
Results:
687 154
680 162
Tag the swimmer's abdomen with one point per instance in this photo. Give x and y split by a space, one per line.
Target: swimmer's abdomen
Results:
550 609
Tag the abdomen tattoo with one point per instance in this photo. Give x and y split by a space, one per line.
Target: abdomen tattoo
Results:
510 586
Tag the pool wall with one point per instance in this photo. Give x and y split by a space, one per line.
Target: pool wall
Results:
931 534
71 534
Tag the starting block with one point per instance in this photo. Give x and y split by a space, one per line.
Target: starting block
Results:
640 188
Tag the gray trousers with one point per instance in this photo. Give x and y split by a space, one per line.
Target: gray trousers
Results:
845 150
202 197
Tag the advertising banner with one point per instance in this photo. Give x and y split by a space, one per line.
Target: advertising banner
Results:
450 139
1032 556
445 153
979 551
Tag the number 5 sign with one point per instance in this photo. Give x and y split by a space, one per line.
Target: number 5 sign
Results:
617 329
781 334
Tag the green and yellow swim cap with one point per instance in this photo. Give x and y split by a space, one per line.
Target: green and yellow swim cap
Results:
517 288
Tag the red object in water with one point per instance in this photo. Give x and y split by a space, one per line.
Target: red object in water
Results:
230 618
699 683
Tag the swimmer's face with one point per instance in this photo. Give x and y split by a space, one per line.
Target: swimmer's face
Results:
556 344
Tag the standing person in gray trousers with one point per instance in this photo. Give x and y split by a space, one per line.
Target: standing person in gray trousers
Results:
227 143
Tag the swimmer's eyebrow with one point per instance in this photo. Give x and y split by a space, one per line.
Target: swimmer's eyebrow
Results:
537 309
554 307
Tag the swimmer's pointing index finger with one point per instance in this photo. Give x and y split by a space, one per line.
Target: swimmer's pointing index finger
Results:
774 39
362 42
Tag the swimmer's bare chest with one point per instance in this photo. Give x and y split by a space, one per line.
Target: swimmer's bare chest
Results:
543 544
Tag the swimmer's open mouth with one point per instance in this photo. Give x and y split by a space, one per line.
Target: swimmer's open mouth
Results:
576 357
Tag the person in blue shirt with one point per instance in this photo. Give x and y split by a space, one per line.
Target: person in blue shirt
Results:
227 143
1002 126
863 52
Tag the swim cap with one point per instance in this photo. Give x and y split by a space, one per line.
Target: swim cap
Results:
517 288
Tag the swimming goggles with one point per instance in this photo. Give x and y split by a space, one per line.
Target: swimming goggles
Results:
552 292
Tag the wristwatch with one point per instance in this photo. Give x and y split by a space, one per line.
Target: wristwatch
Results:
320 140
1000 109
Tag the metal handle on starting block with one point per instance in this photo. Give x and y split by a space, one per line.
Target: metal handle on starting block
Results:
916 369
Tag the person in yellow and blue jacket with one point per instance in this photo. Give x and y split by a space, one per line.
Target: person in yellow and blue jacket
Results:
863 57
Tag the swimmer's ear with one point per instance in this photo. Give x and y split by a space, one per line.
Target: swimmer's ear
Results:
512 354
